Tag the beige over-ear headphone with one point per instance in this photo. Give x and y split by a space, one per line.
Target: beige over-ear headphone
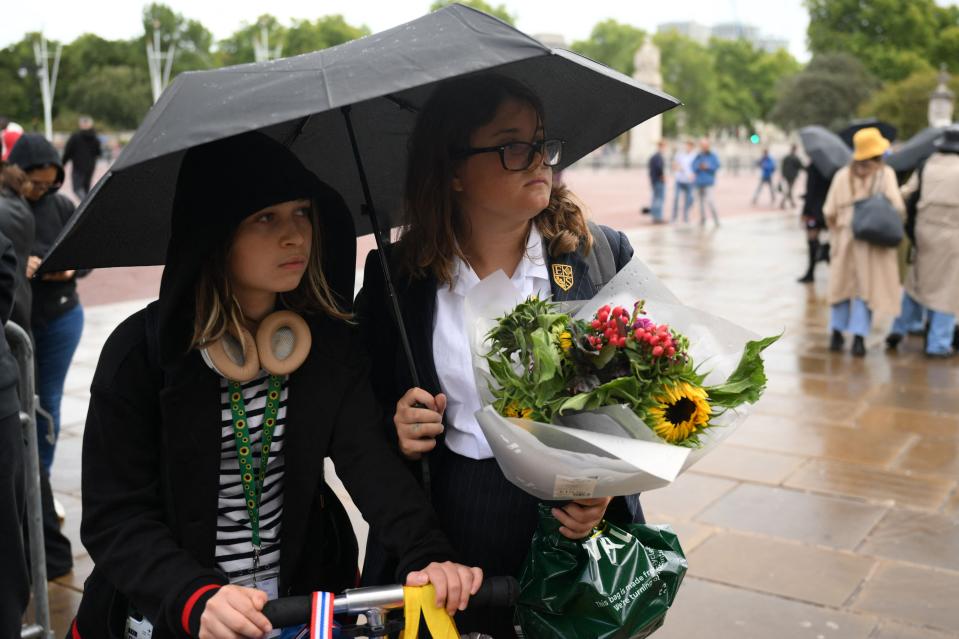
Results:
282 342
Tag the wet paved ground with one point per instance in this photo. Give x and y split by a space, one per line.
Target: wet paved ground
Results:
832 513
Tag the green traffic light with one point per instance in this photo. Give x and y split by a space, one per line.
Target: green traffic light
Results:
754 138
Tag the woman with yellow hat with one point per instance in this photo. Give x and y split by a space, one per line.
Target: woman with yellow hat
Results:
863 277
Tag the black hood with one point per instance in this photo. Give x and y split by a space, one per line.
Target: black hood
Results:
33 150
221 183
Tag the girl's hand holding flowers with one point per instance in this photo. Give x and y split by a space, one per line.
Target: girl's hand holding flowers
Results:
581 516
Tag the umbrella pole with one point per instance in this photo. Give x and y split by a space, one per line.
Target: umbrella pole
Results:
390 289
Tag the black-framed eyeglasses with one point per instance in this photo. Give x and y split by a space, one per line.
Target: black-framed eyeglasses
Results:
46 186
519 156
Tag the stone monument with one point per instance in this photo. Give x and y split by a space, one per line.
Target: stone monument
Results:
941 102
643 138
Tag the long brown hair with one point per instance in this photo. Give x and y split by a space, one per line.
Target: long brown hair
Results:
217 309
433 221
12 177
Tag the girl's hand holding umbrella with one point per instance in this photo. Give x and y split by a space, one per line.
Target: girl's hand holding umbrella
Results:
418 420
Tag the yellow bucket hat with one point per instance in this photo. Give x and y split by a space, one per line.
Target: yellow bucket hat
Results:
868 143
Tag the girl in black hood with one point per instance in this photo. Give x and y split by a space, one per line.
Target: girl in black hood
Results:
212 409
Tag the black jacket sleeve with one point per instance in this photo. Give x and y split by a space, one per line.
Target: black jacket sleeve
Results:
385 492
124 525
8 277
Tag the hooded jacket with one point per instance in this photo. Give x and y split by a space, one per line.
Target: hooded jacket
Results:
83 149
51 213
151 451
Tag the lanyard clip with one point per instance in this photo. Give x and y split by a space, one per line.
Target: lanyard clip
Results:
256 560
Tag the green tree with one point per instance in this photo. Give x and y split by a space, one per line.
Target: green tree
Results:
305 36
906 103
116 96
498 11
238 48
829 91
687 70
893 38
612 43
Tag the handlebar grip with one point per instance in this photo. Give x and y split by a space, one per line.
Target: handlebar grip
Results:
496 592
289 611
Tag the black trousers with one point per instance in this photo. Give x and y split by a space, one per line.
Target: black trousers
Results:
14 578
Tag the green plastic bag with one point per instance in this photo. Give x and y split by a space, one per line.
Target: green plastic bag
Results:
616 584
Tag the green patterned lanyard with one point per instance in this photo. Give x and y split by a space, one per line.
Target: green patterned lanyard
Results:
253 489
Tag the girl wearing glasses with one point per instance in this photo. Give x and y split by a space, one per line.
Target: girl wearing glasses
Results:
479 198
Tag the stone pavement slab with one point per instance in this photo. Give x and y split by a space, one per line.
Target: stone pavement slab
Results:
913 594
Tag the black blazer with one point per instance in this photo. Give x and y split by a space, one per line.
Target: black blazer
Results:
390 374
150 480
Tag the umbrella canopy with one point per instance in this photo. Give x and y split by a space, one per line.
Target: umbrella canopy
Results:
825 149
887 130
383 79
915 150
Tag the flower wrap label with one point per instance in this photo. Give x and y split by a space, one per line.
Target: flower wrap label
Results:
574 487
617 584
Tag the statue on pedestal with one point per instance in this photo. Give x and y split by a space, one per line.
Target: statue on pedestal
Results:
643 138
941 102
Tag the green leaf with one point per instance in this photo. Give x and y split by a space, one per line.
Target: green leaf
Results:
748 381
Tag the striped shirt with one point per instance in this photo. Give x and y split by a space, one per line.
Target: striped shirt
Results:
234 535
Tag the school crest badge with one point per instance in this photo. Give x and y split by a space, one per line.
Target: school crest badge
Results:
563 276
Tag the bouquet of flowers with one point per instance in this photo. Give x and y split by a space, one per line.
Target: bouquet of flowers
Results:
546 363
614 397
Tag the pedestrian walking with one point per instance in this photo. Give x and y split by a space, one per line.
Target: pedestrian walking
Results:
82 152
767 169
203 489
479 199
790 167
685 176
863 277
813 221
932 284
657 179
705 164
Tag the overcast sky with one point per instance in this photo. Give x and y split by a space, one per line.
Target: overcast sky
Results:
114 19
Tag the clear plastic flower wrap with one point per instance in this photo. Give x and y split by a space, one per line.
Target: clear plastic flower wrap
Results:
612 396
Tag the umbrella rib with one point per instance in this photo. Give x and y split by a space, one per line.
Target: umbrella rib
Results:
403 104
294 136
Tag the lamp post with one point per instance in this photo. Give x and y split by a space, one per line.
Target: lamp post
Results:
159 63
48 80
261 46
941 102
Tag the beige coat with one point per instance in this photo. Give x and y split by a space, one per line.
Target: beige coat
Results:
934 278
857 268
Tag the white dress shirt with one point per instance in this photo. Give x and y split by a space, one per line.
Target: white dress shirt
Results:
451 351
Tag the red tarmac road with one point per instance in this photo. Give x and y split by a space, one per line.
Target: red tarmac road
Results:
613 197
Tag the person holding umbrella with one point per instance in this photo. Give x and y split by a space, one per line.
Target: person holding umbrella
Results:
864 277
479 199
212 409
933 281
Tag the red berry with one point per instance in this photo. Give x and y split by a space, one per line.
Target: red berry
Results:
657 351
670 351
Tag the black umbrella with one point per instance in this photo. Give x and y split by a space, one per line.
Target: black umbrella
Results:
825 149
915 150
377 83
887 130
347 113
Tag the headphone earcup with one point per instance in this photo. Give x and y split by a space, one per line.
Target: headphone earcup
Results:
221 361
283 342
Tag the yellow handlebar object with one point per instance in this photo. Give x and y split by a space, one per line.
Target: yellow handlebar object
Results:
422 599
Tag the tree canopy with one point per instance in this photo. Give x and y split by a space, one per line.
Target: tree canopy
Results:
892 38
500 11
612 43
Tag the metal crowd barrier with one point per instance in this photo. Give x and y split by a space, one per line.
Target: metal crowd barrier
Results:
22 349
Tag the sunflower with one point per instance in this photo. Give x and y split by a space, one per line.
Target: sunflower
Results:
515 410
565 340
680 412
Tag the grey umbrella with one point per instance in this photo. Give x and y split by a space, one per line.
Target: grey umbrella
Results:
915 150
825 149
